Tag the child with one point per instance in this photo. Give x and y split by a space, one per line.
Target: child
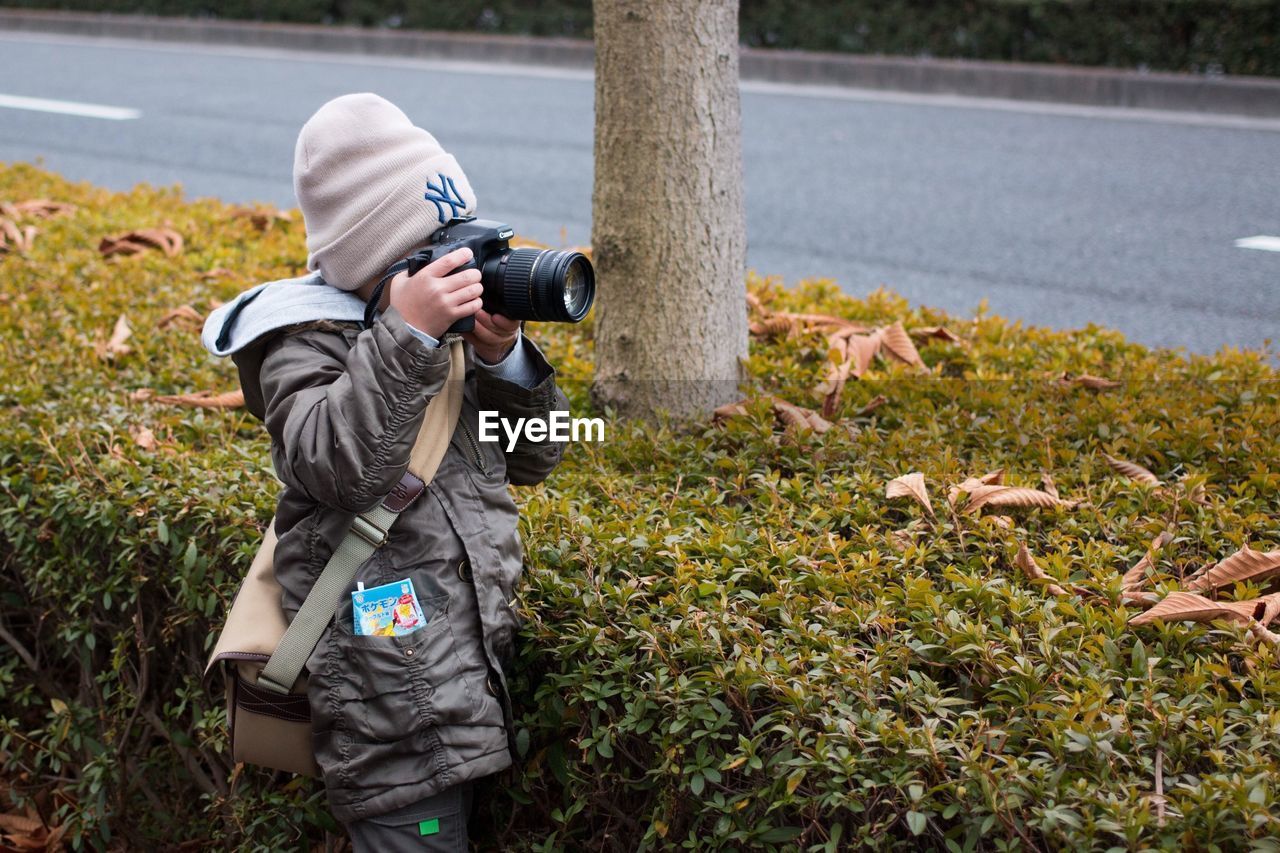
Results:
402 724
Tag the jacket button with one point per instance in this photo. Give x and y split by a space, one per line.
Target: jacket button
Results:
464 570
408 653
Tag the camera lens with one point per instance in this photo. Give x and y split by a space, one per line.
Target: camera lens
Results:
543 284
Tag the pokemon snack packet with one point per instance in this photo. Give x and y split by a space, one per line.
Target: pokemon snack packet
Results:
390 610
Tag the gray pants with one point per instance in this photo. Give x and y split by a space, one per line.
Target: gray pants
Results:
437 824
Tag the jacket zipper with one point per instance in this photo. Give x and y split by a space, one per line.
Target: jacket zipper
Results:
475 447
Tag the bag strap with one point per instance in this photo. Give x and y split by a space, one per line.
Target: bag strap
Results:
369 531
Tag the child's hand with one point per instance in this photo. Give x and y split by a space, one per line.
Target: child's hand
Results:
493 336
433 299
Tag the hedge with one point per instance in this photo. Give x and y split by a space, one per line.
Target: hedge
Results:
735 638
1204 36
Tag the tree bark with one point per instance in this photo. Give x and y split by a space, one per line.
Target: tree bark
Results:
669 230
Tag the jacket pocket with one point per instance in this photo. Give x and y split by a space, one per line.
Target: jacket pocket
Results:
385 688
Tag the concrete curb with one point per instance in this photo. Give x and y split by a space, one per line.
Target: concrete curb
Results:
1247 96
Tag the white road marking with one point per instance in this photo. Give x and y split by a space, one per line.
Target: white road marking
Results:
70 108
759 87
1265 242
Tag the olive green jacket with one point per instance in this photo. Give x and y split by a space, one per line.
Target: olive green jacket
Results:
397 719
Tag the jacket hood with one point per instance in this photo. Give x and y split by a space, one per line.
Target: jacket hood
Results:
234 328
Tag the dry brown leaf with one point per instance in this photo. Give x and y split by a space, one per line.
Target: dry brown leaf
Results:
1012 496
854 353
205 400
144 438
1191 607
1132 471
116 344
183 315
753 303
862 350
141 395
1004 521
165 239
1093 383
14 238
262 217
1244 565
729 410
972 484
40 208
798 416
1046 482
939 332
773 327
1036 574
895 341
910 486
13 822
1136 577
216 272
874 403
903 538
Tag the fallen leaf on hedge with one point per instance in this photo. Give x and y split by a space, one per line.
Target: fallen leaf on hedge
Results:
144 438
798 416
729 410
1034 573
874 403
819 320
910 486
116 345
141 395
773 327
205 400
972 484
183 315
165 239
262 217
903 538
1132 470
1012 496
789 414
216 272
853 355
895 340
20 824
1046 482
1191 607
14 238
939 332
1136 577
215 304
1244 565
1093 383
40 208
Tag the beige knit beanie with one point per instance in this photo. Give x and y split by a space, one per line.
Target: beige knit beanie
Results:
372 187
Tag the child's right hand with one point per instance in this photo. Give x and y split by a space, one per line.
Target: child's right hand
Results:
436 296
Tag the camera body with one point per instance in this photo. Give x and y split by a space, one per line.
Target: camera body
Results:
523 284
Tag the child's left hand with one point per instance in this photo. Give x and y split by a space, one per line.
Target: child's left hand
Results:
493 337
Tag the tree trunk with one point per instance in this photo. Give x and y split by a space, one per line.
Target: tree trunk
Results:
669 231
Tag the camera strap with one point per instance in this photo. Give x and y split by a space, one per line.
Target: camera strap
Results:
371 307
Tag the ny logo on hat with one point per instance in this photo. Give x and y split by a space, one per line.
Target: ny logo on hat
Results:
445 193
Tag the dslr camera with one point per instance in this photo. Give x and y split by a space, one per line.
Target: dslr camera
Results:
523 284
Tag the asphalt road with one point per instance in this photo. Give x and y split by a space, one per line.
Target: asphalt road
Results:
1055 215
